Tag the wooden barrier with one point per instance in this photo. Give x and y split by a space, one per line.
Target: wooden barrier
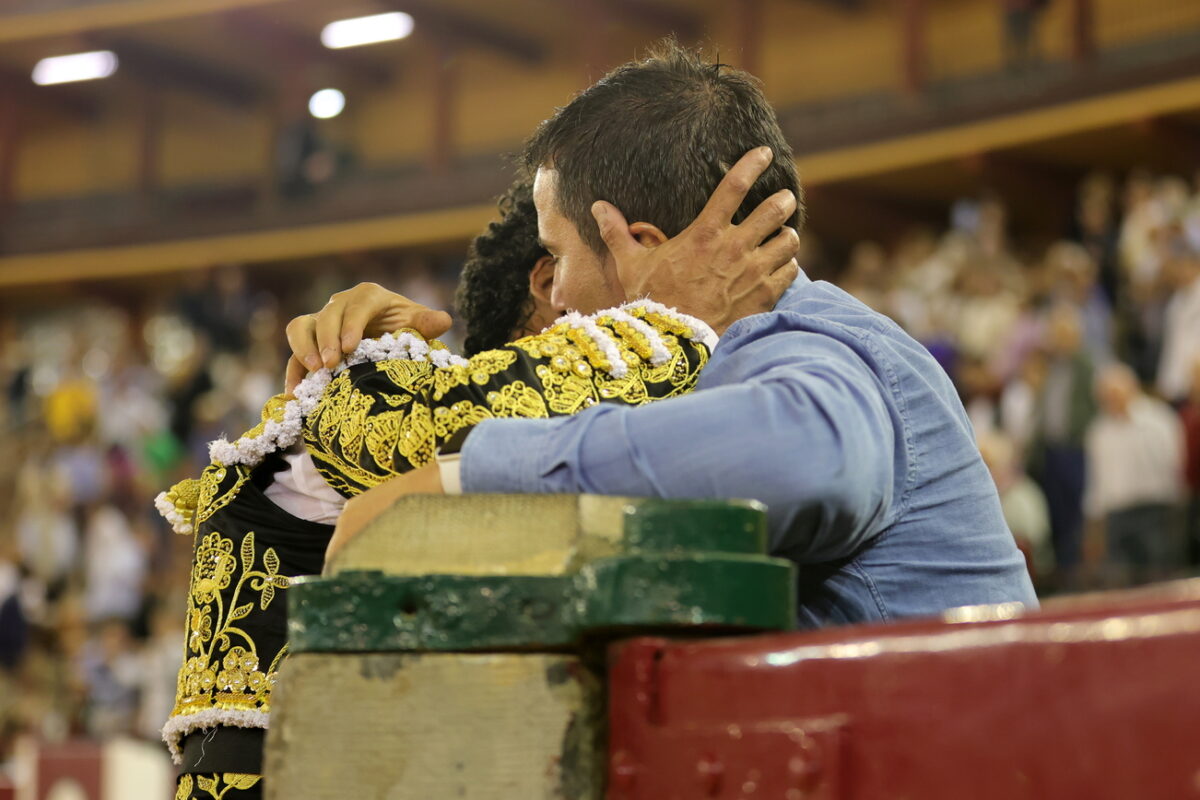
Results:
454 648
1095 698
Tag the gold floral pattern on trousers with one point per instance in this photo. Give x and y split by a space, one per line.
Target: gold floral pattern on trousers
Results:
214 785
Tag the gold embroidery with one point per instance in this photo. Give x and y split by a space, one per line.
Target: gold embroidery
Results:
405 374
416 435
463 414
211 784
517 399
566 393
213 495
482 368
446 379
213 661
185 497
358 437
589 348
631 337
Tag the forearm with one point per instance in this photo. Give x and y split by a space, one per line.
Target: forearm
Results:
820 458
384 419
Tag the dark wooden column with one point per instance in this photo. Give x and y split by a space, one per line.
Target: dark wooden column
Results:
1083 30
289 104
10 140
149 144
445 92
914 51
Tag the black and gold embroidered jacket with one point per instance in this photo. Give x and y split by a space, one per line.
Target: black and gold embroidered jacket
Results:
385 414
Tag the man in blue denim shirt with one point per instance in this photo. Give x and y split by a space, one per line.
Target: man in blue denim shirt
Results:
823 409
836 419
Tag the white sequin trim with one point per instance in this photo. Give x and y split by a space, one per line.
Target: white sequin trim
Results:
283 433
179 522
603 340
698 331
659 354
701 331
280 435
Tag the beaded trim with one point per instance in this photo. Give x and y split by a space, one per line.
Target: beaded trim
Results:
171 513
180 726
281 432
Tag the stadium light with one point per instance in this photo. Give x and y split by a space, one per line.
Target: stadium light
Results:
367 30
326 103
75 67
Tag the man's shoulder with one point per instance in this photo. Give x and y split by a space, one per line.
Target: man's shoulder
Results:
820 307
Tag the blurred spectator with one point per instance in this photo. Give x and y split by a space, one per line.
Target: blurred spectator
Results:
112 673
220 308
1022 501
1190 417
987 311
114 565
14 628
866 276
1020 31
1073 278
1135 457
159 668
1135 241
47 537
1019 399
1181 330
1096 231
1064 410
103 405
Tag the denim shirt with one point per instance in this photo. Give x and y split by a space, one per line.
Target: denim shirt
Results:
834 417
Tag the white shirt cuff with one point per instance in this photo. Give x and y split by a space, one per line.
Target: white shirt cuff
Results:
450 469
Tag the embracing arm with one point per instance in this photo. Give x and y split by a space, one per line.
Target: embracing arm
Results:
385 417
803 428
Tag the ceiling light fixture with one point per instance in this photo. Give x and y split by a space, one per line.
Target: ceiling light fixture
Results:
367 30
326 103
75 67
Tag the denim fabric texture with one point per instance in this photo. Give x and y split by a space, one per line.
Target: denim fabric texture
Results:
833 416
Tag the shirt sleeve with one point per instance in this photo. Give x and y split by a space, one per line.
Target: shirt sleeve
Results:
379 419
799 422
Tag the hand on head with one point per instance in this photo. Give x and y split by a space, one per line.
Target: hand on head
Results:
714 270
321 339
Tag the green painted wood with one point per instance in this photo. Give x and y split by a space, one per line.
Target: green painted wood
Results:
690 590
725 526
682 564
370 611
366 611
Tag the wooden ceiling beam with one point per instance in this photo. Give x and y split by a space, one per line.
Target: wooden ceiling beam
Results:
458 28
844 5
154 66
27 95
257 28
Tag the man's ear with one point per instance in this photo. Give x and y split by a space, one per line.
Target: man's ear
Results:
541 279
647 235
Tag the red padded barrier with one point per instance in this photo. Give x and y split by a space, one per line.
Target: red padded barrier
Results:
1096 697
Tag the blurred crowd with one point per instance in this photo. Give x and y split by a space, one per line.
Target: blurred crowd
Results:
1079 366
104 405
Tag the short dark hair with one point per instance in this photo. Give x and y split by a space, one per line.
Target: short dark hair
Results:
655 137
493 291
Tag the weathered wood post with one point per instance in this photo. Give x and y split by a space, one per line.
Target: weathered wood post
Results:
454 648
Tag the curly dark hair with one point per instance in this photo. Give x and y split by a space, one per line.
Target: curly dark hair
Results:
493 291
